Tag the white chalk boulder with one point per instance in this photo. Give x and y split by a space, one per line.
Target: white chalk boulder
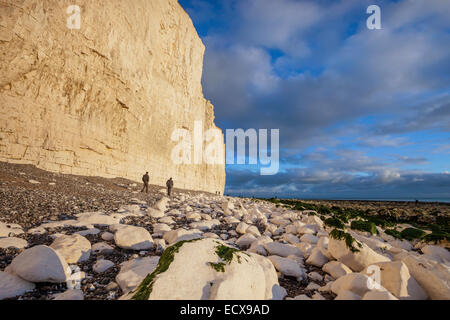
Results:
13 242
396 278
245 241
336 269
74 248
102 265
355 282
282 250
288 267
357 260
317 258
177 235
155 213
10 229
438 253
132 272
12 286
134 238
41 264
218 272
432 276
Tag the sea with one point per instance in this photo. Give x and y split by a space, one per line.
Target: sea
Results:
385 199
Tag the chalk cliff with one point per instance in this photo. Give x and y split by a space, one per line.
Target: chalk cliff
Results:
104 99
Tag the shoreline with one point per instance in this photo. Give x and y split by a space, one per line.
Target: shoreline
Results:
444 202
384 200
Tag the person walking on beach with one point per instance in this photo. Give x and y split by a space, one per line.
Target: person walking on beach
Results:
145 180
169 185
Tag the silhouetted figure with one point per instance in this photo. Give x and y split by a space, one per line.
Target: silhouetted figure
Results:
417 202
169 185
145 180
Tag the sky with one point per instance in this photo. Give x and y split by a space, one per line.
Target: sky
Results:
362 114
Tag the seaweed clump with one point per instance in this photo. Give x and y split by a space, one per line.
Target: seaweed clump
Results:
226 254
349 240
324 210
380 221
219 267
412 233
364 226
437 236
334 222
394 233
144 290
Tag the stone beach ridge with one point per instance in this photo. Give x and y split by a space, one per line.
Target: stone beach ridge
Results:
140 246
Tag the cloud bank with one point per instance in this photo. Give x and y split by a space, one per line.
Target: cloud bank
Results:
361 113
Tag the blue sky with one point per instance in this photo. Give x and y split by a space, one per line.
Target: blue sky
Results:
362 113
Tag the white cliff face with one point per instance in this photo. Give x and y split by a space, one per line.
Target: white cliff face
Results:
103 100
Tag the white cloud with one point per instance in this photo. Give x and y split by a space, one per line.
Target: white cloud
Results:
278 24
383 141
372 73
388 175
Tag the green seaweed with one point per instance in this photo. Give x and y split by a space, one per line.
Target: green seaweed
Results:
336 209
349 240
437 236
380 221
297 205
343 217
412 233
274 200
219 267
364 226
227 253
144 290
439 228
443 224
334 222
394 233
300 206
385 218
324 210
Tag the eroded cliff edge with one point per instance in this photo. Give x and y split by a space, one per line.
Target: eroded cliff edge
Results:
102 100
